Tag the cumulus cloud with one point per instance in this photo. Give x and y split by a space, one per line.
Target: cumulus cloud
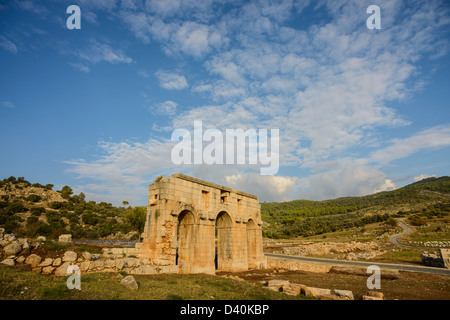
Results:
267 188
171 81
351 179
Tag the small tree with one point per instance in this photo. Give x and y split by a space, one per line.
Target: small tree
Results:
66 191
136 217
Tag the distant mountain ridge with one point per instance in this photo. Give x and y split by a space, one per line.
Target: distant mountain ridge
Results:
306 217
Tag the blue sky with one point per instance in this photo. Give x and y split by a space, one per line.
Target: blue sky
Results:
358 110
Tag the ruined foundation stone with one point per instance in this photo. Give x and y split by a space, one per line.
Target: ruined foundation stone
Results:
200 227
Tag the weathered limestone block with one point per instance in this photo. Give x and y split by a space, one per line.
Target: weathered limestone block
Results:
316 292
294 289
86 255
57 262
376 294
85 265
69 256
371 298
47 262
13 248
277 285
9 262
33 260
131 262
445 255
344 294
65 238
130 282
109 264
48 270
62 270
97 265
119 264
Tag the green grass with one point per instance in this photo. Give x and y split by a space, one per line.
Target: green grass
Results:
18 284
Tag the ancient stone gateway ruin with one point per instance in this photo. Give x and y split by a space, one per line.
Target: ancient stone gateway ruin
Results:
202 227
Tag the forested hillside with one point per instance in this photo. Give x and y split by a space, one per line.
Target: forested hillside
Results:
428 197
30 210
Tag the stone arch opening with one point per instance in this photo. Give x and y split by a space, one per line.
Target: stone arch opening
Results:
186 239
223 231
252 243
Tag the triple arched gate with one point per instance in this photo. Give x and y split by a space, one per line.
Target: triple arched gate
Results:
202 227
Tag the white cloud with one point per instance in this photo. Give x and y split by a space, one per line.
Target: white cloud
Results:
8 104
267 188
101 52
166 108
171 81
429 139
81 67
7 45
424 176
349 179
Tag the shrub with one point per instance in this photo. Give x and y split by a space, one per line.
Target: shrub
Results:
37 211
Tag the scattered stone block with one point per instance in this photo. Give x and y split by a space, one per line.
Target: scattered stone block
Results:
344 294
294 289
445 255
371 298
65 238
130 282
376 294
316 292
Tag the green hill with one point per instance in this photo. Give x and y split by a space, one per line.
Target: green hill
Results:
30 210
426 198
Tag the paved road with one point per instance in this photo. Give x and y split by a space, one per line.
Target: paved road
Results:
406 229
364 264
